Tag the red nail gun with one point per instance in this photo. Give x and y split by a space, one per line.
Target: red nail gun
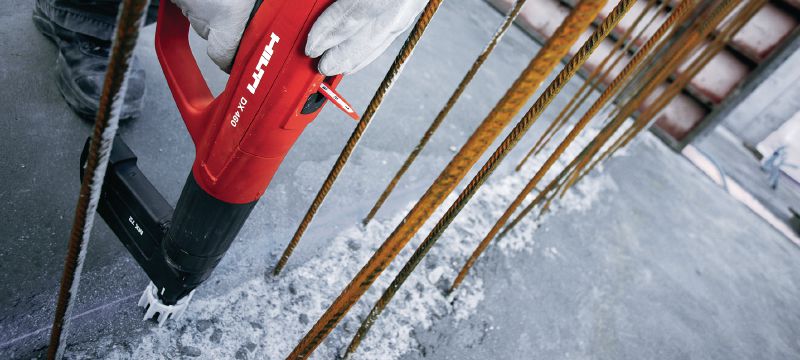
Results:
241 137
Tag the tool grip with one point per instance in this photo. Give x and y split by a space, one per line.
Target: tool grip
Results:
189 88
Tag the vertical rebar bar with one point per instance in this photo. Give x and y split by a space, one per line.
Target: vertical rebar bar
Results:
541 196
129 20
369 114
592 82
659 70
699 62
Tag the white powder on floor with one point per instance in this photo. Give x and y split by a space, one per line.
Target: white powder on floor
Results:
265 317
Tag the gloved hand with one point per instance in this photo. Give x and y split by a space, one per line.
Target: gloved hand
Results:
221 22
351 33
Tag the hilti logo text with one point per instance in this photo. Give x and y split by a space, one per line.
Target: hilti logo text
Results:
262 63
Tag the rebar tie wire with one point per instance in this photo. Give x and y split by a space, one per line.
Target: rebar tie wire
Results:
607 94
519 130
516 96
391 76
129 20
509 19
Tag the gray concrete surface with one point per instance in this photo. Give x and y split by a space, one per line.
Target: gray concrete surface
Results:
696 273
667 267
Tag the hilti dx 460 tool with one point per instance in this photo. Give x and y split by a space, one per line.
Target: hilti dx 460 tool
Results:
240 137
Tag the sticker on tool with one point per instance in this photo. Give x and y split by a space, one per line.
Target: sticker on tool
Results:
337 100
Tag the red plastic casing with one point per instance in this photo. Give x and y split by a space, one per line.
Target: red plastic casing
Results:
238 154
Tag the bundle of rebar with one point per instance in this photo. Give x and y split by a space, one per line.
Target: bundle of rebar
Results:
551 53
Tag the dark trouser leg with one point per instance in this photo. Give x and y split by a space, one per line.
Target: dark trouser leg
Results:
82 30
92 18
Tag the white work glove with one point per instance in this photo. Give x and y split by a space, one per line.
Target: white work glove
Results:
221 22
351 33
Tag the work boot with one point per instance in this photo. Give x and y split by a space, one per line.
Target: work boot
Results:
81 66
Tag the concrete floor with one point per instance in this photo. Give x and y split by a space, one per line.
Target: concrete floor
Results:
668 267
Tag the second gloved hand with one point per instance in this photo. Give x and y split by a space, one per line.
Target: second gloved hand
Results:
351 33
221 22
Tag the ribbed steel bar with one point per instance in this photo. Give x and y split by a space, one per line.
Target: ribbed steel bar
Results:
361 127
591 83
594 85
611 90
522 89
638 81
549 191
519 130
509 19
129 20
630 45
698 63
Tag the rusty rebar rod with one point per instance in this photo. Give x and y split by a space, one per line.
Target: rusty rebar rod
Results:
594 85
547 194
129 20
391 76
522 89
661 68
699 62
591 83
542 195
426 137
